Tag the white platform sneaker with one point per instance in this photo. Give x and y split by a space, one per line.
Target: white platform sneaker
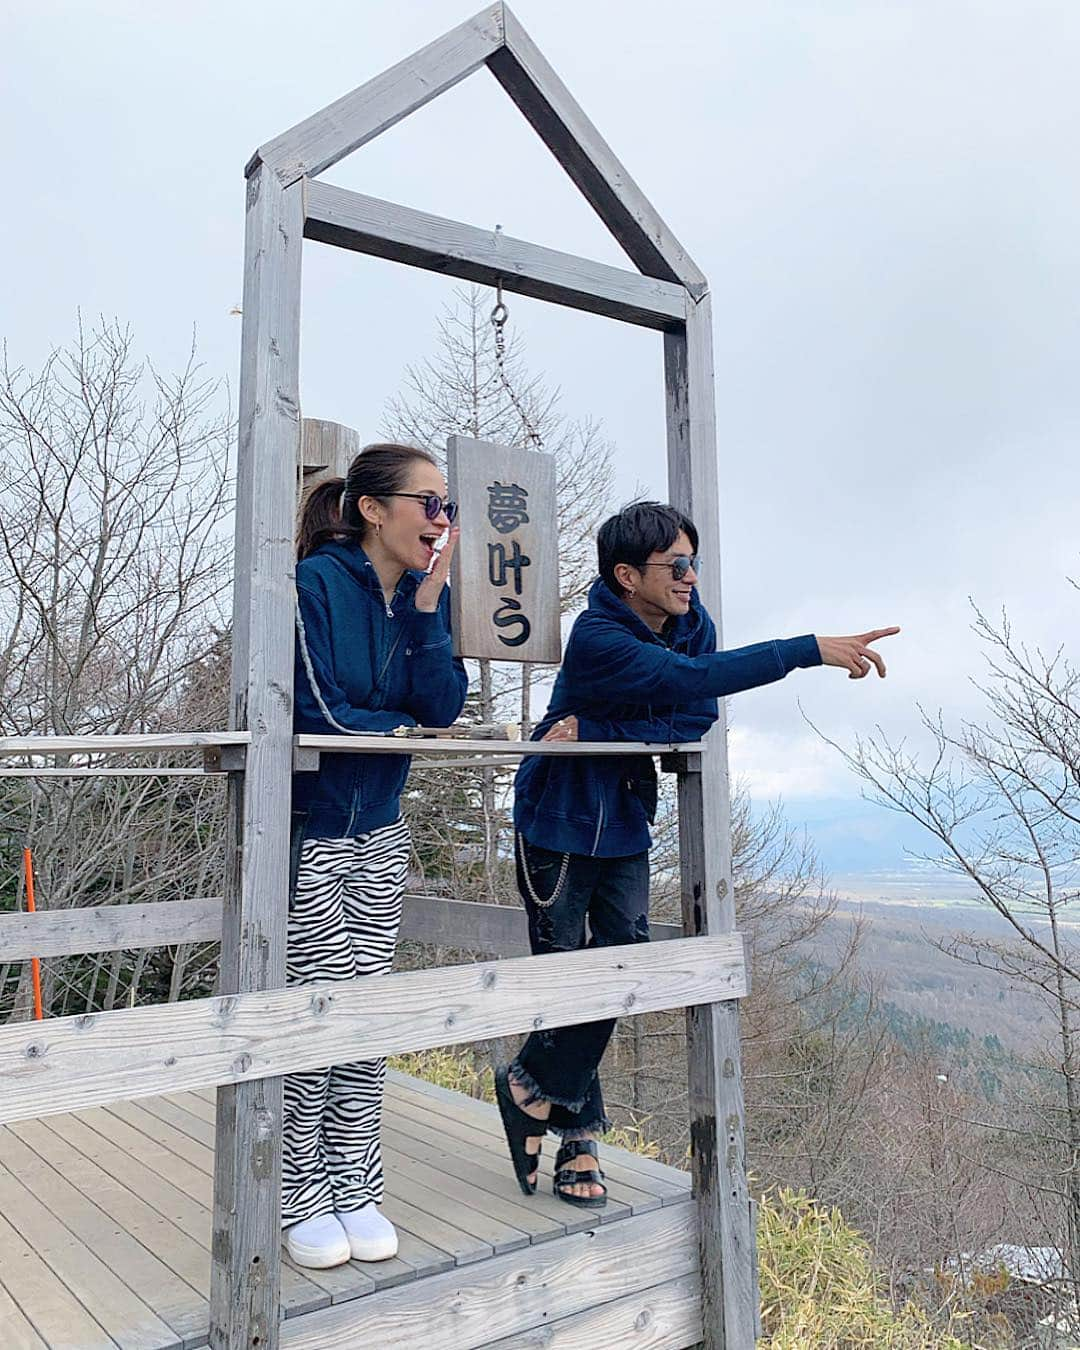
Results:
318 1243
371 1235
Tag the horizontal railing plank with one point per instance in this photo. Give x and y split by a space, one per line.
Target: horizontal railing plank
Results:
116 745
496 930
384 229
68 1063
109 928
308 748
519 1292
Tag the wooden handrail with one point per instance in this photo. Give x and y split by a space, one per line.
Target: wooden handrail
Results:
134 743
70 1063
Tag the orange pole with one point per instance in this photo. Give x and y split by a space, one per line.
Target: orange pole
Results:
35 964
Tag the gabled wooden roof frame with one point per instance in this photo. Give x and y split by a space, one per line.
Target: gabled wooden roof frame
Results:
496 39
285 203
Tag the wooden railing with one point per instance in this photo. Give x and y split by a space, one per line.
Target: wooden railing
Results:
474 926
71 1063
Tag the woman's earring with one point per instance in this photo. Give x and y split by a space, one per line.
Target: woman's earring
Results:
378 528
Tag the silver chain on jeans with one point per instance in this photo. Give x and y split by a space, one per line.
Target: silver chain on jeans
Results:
542 904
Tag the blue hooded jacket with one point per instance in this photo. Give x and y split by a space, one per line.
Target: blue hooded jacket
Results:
624 682
363 666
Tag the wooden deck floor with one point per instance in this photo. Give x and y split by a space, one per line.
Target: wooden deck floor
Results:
105 1229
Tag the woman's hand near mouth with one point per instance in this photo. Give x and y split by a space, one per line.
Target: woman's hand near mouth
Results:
430 589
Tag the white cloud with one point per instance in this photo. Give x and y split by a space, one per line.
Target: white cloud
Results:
799 767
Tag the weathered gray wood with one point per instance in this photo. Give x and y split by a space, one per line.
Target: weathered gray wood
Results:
17 1331
501 930
665 1317
399 233
49 1305
326 449
511 1294
172 1299
320 141
660 1177
308 747
483 583
624 1197
127 1205
469 1174
112 1304
73 1062
186 1213
496 930
76 772
109 745
637 1193
563 127
137 1146
717 1125
247 1200
108 928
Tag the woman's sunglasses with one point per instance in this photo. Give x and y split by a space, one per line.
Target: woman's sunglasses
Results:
432 504
679 566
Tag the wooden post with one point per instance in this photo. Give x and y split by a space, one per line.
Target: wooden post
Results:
326 449
715 1076
246 1243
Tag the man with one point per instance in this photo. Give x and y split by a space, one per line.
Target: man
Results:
641 665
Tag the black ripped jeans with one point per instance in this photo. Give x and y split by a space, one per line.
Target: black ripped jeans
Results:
560 891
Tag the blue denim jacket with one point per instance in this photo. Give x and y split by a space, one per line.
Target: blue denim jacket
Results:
624 682
364 666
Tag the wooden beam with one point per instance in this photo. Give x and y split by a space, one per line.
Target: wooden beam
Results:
322 139
118 745
495 930
561 124
523 1294
246 1238
717 1124
326 450
385 230
671 1311
68 1063
109 928
470 925
307 749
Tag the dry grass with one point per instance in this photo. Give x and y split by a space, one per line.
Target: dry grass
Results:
819 1287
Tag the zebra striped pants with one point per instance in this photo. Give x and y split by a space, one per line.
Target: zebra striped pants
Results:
343 922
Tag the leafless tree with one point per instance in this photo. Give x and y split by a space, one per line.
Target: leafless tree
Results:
114 495
1001 799
810 1048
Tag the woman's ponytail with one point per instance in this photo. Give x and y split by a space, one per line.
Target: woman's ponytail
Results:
320 518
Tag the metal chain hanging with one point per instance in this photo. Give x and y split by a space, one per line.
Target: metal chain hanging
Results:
499 316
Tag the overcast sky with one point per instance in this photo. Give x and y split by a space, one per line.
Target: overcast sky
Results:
883 196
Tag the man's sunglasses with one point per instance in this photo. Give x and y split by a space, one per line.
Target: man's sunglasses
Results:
679 566
432 504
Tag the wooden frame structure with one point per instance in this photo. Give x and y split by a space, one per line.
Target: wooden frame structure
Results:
256 1030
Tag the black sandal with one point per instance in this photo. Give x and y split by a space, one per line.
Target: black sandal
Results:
519 1126
566 1177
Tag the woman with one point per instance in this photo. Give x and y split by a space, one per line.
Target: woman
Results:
372 653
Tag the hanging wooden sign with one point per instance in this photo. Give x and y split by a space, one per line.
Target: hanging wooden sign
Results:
505 577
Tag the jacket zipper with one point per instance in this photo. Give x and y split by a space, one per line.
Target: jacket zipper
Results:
599 826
